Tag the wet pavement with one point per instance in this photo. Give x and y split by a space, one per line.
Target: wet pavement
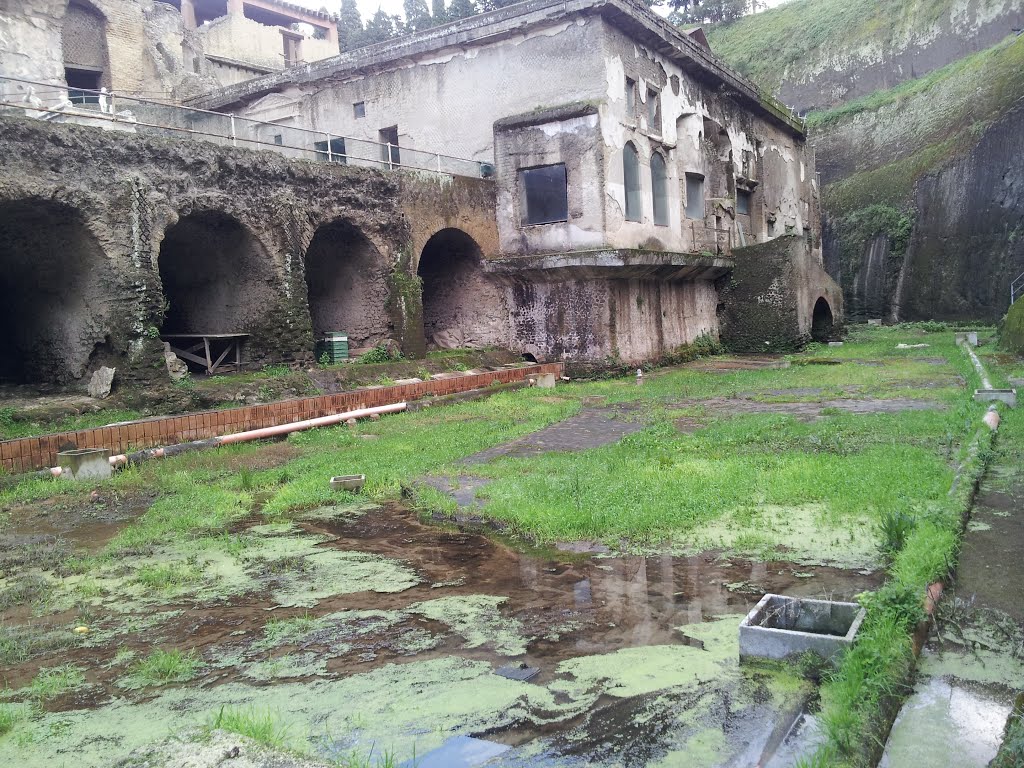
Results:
971 671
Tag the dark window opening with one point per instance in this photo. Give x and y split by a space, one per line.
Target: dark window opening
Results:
694 196
278 139
631 180
630 97
659 189
292 49
336 154
80 84
743 202
359 109
546 194
389 154
653 111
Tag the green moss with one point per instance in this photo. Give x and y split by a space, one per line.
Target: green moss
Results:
477 619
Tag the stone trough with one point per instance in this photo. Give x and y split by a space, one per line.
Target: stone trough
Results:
781 627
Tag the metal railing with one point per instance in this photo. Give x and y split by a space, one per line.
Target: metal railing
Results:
1017 288
54 102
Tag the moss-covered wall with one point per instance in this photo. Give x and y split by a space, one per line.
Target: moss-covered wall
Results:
766 304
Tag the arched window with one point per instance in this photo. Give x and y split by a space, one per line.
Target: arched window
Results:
659 189
631 179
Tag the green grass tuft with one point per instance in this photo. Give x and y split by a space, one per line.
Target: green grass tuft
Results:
263 727
162 667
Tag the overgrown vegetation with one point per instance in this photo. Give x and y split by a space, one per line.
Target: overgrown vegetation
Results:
161 667
262 726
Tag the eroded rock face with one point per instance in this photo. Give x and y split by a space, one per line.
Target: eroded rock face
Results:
177 369
968 242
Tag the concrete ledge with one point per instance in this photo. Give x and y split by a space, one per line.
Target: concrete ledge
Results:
613 263
1008 396
781 627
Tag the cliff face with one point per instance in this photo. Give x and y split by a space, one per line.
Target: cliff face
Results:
817 54
968 240
921 183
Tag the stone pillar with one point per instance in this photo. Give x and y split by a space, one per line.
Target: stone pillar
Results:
235 8
188 14
332 33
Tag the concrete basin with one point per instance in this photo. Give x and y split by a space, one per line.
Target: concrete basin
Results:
781 627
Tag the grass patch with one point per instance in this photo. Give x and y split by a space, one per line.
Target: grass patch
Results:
52 682
167 577
262 726
14 424
161 667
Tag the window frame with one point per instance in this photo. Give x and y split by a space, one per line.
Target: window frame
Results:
654 111
698 178
524 188
631 91
748 201
358 110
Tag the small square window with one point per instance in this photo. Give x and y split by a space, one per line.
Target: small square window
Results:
359 109
278 139
743 202
545 194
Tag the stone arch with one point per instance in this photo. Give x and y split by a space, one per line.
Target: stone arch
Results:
86 57
462 306
217 276
347 284
822 321
55 293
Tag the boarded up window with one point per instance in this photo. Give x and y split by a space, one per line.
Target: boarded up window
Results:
546 194
694 196
659 189
631 179
84 36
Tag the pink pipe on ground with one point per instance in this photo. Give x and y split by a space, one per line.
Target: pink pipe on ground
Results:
259 434
322 421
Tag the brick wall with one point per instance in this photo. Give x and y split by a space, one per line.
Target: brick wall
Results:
32 453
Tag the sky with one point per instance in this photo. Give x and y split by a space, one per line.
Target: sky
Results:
369 7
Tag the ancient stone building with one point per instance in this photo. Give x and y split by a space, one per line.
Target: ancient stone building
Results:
572 180
187 46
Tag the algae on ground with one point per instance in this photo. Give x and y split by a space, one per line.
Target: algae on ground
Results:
477 619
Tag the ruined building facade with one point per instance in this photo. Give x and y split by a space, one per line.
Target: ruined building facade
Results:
159 49
629 195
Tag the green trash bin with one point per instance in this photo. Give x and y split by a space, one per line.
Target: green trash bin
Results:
335 345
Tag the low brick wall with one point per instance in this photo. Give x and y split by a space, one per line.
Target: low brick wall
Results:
31 453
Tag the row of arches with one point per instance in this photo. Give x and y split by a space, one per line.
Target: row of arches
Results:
61 292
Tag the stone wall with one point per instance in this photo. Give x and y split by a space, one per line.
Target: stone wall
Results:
769 300
124 194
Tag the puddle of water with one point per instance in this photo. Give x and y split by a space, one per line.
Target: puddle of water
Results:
480 602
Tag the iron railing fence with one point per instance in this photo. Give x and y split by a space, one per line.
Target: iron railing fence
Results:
114 111
1017 288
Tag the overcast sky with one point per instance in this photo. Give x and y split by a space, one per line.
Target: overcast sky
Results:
369 7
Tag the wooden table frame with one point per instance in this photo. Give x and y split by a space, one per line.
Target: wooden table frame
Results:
202 342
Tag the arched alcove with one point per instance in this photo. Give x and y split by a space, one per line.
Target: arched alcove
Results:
217 277
55 292
462 307
346 279
822 322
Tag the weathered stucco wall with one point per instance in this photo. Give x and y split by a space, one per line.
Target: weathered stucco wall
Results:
610 320
447 103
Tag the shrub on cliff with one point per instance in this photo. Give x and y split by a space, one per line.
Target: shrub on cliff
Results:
1012 336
